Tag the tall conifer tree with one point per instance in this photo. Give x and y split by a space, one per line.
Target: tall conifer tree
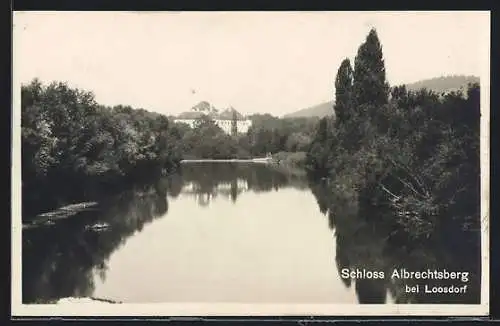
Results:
370 88
343 91
234 123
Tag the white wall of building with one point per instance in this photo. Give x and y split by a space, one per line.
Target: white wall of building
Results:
226 125
190 122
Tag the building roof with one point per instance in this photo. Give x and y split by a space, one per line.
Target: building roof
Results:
228 114
204 108
190 115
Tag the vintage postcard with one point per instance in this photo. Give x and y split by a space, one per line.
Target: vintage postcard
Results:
250 163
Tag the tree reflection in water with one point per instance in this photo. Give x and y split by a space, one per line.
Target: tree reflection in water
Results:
365 240
62 259
207 181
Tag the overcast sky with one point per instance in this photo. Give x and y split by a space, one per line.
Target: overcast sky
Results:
276 62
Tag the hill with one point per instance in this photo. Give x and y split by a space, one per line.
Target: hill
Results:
444 84
439 85
320 110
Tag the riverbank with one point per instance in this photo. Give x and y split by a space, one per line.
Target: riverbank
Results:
290 159
60 213
255 160
288 162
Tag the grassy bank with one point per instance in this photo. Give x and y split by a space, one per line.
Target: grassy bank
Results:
290 163
290 159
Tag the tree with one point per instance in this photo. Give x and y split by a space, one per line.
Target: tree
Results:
318 155
343 91
206 123
370 87
298 142
234 123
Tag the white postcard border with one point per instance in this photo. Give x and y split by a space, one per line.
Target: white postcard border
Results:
231 309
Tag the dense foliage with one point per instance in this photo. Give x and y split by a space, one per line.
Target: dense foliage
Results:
71 146
413 153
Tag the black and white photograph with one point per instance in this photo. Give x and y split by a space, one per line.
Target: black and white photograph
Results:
190 163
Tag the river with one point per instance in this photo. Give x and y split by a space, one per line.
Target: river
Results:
222 232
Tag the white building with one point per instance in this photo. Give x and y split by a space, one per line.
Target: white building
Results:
242 126
223 120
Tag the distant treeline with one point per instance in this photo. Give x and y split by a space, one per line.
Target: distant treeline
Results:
268 134
75 149
412 153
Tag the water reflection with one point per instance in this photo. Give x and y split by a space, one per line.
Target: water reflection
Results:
208 181
67 258
365 242
61 260
281 248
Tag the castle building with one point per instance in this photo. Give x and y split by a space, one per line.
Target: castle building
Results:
223 120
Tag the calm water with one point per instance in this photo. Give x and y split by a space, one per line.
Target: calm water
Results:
228 232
